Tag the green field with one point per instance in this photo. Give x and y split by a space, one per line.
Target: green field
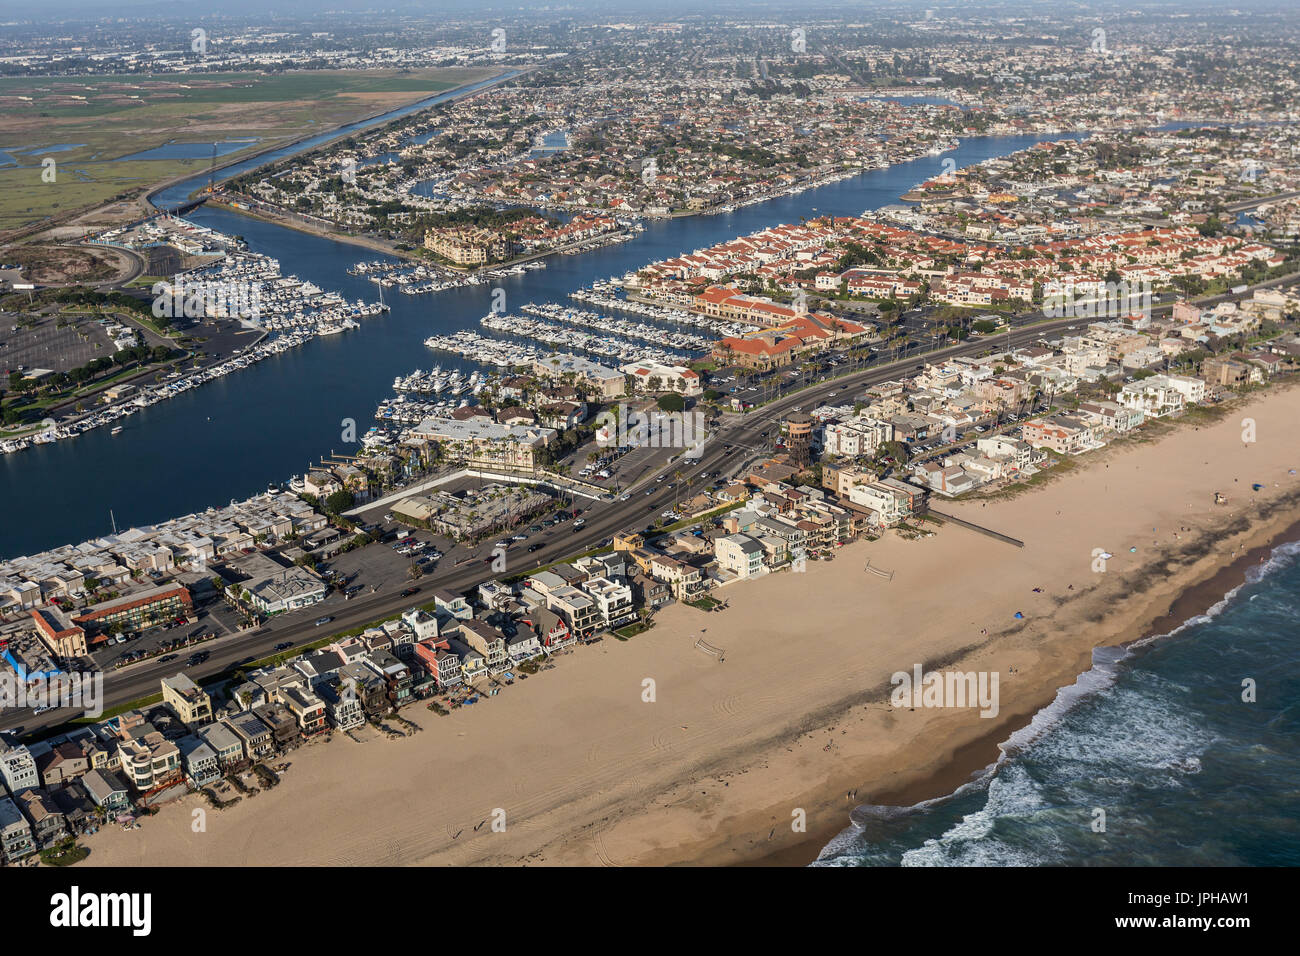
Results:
110 117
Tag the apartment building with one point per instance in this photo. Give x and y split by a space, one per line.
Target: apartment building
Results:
861 435
484 442
467 246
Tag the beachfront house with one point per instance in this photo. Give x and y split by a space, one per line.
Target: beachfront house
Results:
16 837
224 743
107 789
200 761
254 736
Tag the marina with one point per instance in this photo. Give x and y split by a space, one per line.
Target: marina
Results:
284 408
241 285
560 336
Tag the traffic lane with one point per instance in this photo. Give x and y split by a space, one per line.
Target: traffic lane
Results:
602 525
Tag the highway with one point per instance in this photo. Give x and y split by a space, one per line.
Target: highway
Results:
743 433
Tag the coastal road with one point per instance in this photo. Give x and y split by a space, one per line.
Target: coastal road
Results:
743 434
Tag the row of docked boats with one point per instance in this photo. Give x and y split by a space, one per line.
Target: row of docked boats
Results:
404 410
561 336
436 381
174 384
484 350
668 338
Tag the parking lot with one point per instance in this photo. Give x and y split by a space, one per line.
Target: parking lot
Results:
214 617
44 344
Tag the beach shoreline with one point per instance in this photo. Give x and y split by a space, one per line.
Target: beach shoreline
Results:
974 759
798 717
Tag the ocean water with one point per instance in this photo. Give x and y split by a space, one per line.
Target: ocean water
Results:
1156 735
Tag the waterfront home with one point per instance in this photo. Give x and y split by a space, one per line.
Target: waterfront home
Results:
307 708
61 763
438 662
1230 372
149 761
1154 397
487 641
225 743
75 804
47 821
283 725
18 768
613 601
371 688
686 580
190 702
107 789
649 592
890 501
342 706
523 645
255 738
740 555
577 608
200 761
16 838
395 674
552 631
1112 416
473 665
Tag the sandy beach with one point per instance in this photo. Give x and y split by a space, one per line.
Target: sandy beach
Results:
797 715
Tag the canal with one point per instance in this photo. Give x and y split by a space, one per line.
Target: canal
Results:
228 439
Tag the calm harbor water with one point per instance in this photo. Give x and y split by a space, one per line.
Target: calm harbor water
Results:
229 438
1158 737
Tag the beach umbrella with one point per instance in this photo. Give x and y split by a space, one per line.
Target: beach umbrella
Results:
1019 616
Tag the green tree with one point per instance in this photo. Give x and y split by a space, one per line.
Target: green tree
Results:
339 501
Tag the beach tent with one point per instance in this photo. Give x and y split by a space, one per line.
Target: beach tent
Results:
1019 616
